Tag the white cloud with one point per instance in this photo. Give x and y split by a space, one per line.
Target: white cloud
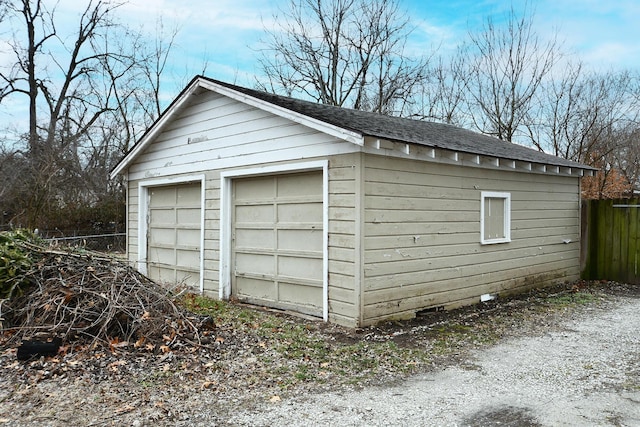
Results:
208 16
602 34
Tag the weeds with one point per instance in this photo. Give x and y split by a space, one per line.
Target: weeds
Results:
571 299
15 263
293 351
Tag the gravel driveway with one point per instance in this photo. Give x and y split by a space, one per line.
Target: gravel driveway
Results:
585 373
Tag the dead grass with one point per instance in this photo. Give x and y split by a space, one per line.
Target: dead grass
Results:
304 351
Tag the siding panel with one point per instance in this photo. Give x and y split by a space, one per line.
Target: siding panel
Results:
422 235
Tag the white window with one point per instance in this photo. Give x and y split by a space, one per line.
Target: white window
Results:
495 218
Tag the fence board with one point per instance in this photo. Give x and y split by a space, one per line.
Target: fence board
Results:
634 249
610 240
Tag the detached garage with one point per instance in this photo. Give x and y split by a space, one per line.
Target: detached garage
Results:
345 215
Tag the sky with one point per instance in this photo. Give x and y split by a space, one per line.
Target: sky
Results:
226 33
221 37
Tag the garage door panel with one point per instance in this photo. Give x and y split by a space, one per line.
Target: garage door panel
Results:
163 256
300 295
302 268
188 216
187 257
188 237
162 196
300 212
162 236
255 238
255 213
255 189
188 195
162 216
187 277
162 275
300 240
300 185
255 288
255 264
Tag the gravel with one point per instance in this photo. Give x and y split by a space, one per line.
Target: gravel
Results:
574 366
586 373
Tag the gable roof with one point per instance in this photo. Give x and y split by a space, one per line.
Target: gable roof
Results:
354 125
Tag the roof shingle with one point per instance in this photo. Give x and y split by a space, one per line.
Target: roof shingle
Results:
430 134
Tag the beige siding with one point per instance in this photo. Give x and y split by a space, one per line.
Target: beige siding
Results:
422 235
212 235
132 222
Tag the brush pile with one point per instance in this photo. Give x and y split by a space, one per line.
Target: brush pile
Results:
85 297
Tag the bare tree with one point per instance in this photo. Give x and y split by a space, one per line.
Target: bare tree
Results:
12 165
89 94
579 112
348 53
592 118
3 9
442 95
61 109
157 55
507 66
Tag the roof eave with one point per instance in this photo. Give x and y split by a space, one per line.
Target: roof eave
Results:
461 157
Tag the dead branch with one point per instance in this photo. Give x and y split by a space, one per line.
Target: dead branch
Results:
92 298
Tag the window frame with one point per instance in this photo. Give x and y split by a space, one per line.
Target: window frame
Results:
507 217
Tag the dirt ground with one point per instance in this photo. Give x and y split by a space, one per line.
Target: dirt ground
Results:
568 355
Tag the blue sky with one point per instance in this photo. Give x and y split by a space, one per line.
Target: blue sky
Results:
224 34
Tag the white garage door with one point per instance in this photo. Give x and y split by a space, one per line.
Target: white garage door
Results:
174 238
277 247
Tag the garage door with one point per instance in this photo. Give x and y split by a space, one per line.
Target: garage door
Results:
277 241
173 241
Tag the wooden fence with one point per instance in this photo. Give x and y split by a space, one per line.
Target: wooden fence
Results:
610 231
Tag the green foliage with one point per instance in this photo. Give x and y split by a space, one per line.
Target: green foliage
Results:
15 262
571 299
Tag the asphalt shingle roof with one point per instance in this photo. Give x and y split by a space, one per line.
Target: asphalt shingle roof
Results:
430 134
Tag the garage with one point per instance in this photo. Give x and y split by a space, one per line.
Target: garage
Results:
277 241
354 217
174 234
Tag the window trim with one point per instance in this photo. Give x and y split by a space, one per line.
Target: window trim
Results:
507 216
